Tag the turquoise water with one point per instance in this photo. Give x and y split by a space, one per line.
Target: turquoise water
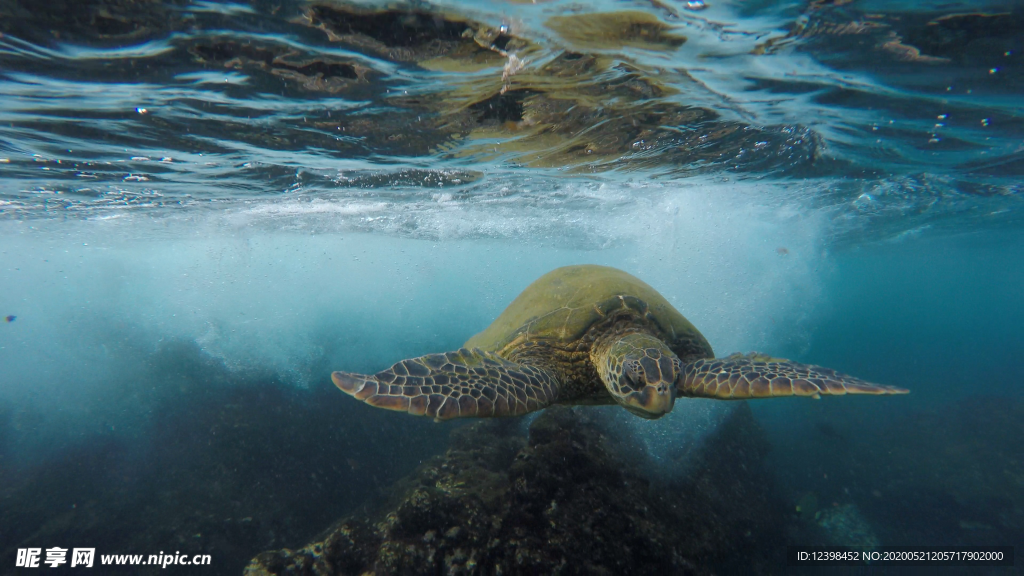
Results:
205 208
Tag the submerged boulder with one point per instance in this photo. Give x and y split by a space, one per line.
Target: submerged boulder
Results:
567 499
956 476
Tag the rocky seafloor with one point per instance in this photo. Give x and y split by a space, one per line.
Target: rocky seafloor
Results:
571 497
202 460
229 464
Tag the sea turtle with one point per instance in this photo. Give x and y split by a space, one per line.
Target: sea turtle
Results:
587 335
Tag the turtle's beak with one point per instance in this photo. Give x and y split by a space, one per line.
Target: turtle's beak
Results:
659 398
654 401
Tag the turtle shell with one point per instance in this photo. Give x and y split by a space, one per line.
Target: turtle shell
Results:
563 304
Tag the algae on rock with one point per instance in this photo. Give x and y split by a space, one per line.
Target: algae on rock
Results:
561 501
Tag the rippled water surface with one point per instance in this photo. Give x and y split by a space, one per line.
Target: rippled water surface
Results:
891 117
205 207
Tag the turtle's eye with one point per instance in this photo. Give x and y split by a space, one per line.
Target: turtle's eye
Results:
634 371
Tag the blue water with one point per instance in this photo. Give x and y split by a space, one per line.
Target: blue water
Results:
205 208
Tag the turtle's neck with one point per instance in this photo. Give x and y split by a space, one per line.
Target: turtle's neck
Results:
608 333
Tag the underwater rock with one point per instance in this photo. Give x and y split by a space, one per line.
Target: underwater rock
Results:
219 462
563 500
956 476
845 526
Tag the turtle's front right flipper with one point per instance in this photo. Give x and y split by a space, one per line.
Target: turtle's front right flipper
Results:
464 383
758 376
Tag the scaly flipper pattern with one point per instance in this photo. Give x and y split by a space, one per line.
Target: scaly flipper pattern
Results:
759 376
460 384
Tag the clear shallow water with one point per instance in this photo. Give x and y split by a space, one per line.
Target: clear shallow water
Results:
206 205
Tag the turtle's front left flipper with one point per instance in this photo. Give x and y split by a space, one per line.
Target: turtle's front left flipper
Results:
758 376
464 383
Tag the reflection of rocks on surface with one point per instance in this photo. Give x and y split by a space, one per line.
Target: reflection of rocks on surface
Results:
417 80
918 37
970 39
100 21
615 30
556 108
411 34
563 501
316 73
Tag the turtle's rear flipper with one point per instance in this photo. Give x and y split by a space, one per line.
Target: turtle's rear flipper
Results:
460 384
759 376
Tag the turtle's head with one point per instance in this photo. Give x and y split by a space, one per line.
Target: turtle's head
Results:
640 373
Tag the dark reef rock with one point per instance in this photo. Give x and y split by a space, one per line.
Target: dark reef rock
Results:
215 462
956 476
945 475
564 501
